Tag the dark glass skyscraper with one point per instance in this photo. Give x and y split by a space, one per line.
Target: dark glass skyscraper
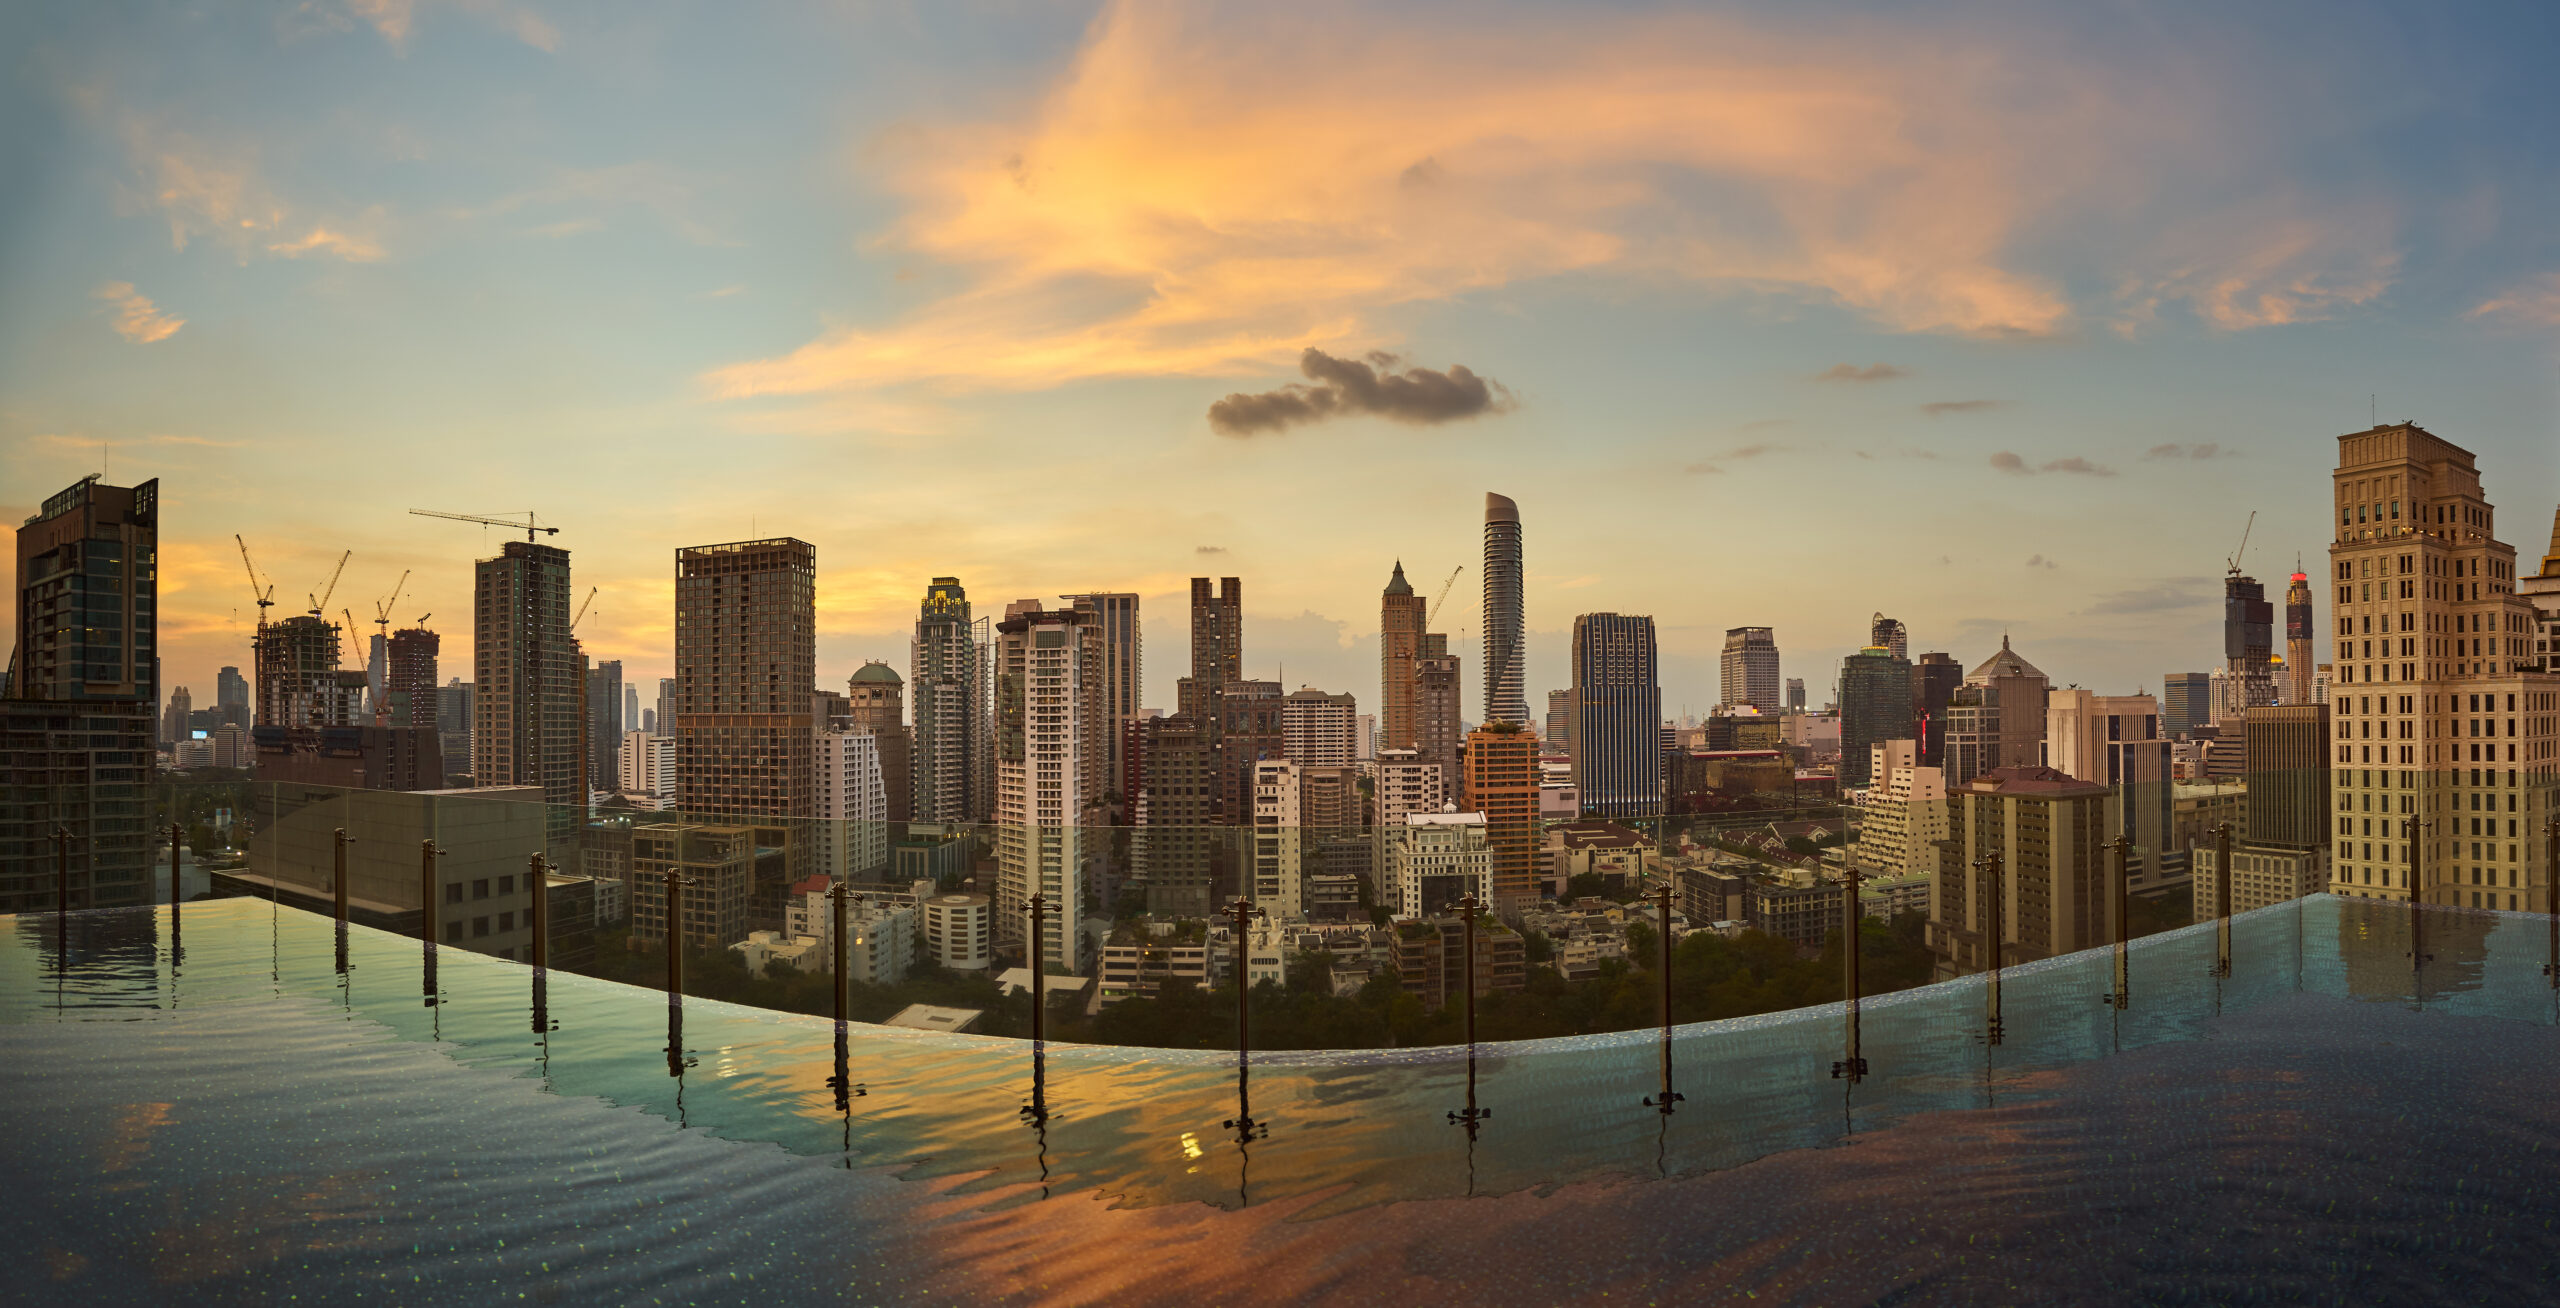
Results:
1875 704
1617 746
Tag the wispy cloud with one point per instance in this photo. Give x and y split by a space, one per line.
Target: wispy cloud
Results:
1208 549
1714 464
2277 260
2041 562
396 20
136 318
214 193
1946 408
2173 595
2535 303
2005 461
1850 372
2175 450
1345 388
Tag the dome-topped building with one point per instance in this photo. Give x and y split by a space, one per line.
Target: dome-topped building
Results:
2006 663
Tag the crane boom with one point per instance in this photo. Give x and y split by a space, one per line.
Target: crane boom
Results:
582 607
265 597
1434 614
382 608
530 526
2237 554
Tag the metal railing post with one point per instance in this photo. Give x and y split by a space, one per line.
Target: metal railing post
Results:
2123 995
2551 894
177 836
538 882
1852 1066
2222 899
1039 906
676 882
835 897
1247 1130
1996 927
428 924
338 875
1471 1115
62 879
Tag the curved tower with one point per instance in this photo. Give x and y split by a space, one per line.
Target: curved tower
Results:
1506 697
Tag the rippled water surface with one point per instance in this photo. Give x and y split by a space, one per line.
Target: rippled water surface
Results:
222 1112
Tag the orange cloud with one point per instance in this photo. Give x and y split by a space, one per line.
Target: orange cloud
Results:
215 194
2268 265
1198 198
137 319
2537 303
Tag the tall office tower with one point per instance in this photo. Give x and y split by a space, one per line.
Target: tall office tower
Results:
231 696
1889 634
1617 694
950 693
2282 850
376 665
1123 673
878 705
1217 658
1502 784
1173 855
850 839
173 724
1249 732
454 724
409 679
2248 647
2186 701
630 707
1506 637
2298 655
1052 767
604 723
1750 667
648 770
1319 730
1875 705
1368 738
2435 714
2116 741
1996 719
2050 833
746 664
1278 885
525 725
1795 694
1933 685
2542 589
297 662
1436 689
1559 739
666 706
1401 618
77 713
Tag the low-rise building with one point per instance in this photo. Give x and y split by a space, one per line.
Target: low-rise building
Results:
957 934
762 949
1142 957
1437 860
1431 958
718 861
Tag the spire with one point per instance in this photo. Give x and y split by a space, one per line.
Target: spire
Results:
1397 585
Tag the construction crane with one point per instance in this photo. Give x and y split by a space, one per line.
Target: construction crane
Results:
531 526
582 607
1434 614
320 602
422 620
2234 563
382 608
351 632
267 597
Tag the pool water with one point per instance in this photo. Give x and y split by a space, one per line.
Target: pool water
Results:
220 1112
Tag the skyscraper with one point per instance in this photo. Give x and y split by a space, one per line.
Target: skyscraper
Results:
1173 853
851 836
1506 645
878 705
1560 722
1401 618
1617 693
2298 655
1437 685
2186 700
409 678
2283 849
1795 694
1123 672
950 707
2116 741
1051 771
77 713
2248 645
1502 784
1875 705
526 730
1750 667
2050 833
1318 729
604 724
231 696
630 707
297 662
1934 680
746 667
2435 714
666 707
173 723
1889 634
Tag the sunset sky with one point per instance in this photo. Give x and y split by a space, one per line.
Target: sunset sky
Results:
1990 316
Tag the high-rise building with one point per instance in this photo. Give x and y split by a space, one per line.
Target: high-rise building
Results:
950 692
1436 688
1278 884
1408 784
231 696
1795 695
1318 729
1502 784
1506 637
1173 855
1217 658
1996 719
2542 589
173 723
2186 701
1249 732
1052 767
297 663
2282 851
409 680
1560 722
630 706
746 665
648 769
2117 741
850 839
1889 634
454 719
1875 705
2298 655
1906 812
1934 680
1750 667
877 701
1123 671
1401 618
78 710
666 706
1617 693
2435 713
2046 835
526 729
604 723
2248 648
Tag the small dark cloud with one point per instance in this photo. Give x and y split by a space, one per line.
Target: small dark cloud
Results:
1209 549
1943 408
1347 387
1872 455
2008 462
2174 450
1424 172
2040 561
1850 372
1945 561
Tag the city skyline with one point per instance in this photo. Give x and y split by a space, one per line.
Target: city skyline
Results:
256 261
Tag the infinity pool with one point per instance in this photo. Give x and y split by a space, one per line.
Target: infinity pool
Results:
220 1112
